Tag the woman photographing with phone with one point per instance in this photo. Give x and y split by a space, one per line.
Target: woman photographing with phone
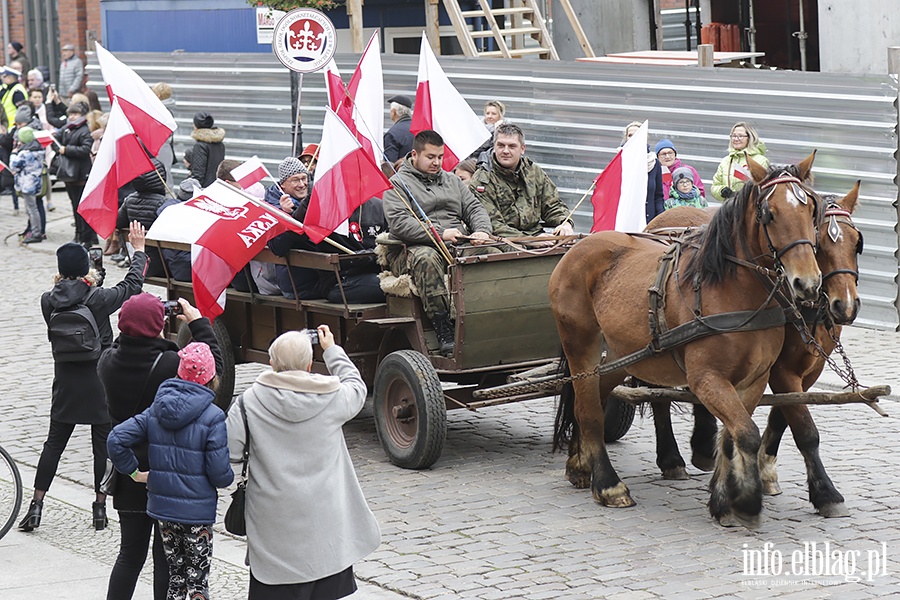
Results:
307 518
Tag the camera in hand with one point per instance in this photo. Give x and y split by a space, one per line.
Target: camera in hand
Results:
173 308
313 335
96 255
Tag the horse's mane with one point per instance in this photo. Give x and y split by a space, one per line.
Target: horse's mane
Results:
718 239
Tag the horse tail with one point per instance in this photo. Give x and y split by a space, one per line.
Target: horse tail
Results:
565 428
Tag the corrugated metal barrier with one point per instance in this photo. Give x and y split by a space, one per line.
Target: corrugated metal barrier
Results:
573 115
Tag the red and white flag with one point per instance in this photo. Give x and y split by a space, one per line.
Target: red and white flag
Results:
3 166
250 172
226 229
620 195
346 177
119 159
740 172
361 105
152 121
44 138
441 108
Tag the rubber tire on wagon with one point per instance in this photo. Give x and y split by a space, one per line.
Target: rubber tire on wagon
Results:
226 377
618 418
410 413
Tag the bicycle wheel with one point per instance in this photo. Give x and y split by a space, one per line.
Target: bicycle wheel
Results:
10 492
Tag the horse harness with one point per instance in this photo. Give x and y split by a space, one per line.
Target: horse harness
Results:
663 339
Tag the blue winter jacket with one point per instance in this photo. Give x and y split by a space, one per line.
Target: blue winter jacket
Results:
188 452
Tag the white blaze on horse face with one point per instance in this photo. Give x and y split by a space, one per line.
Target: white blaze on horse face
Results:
791 197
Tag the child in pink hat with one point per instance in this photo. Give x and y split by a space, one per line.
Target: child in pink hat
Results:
188 451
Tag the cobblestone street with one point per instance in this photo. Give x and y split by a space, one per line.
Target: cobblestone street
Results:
495 517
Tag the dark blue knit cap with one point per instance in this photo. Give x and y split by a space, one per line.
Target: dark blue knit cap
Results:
73 260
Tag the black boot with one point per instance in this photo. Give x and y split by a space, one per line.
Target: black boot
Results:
443 329
32 518
100 520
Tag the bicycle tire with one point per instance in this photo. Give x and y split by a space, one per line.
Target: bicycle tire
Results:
10 492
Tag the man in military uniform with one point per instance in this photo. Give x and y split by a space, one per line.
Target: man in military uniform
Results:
455 213
519 197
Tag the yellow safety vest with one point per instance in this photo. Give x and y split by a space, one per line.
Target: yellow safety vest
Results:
7 102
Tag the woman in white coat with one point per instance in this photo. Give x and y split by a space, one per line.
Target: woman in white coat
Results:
307 518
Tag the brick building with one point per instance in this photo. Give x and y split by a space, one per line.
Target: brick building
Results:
43 26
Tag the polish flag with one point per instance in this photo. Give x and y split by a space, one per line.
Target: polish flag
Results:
45 138
119 159
620 193
3 166
666 176
346 177
441 108
740 172
334 85
250 172
152 121
226 229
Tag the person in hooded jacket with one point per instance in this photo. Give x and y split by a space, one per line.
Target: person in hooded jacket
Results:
208 151
307 518
140 355
78 396
75 165
27 162
143 206
187 447
743 145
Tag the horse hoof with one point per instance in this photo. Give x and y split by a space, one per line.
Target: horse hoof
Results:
770 488
579 480
615 497
836 509
734 519
675 474
704 463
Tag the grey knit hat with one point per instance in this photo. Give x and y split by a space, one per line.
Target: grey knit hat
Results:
682 173
186 189
23 114
290 166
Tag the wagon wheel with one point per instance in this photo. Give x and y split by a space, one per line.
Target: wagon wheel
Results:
619 415
410 413
226 377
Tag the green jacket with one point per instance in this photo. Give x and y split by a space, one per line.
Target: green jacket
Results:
724 176
519 202
444 198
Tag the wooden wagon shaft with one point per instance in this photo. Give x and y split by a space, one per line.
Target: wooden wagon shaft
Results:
867 396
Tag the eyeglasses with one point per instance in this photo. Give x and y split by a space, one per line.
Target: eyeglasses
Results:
297 179
666 153
738 136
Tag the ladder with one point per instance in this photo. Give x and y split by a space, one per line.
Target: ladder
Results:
522 21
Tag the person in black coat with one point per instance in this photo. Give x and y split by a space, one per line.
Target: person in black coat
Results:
78 397
398 140
141 357
209 150
75 165
143 206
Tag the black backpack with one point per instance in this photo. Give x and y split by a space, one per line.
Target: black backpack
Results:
73 333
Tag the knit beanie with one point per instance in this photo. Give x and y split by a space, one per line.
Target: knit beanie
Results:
72 260
290 166
23 114
17 46
142 316
197 363
203 120
682 173
186 189
664 144
25 135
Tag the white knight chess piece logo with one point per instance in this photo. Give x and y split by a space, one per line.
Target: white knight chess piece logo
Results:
304 40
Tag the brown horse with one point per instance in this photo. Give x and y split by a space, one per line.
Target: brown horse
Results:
797 367
598 294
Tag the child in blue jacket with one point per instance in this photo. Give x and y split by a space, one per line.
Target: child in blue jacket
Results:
188 453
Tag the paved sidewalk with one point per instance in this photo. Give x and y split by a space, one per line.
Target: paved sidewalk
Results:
494 518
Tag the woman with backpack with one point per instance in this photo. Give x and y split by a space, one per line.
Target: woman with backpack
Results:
77 303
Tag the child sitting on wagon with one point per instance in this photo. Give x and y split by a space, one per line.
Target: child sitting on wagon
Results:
683 191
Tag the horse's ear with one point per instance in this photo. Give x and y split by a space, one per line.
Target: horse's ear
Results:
851 200
757 171
805 167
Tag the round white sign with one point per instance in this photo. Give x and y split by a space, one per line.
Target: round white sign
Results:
304 40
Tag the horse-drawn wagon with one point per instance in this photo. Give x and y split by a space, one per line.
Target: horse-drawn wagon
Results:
504 327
